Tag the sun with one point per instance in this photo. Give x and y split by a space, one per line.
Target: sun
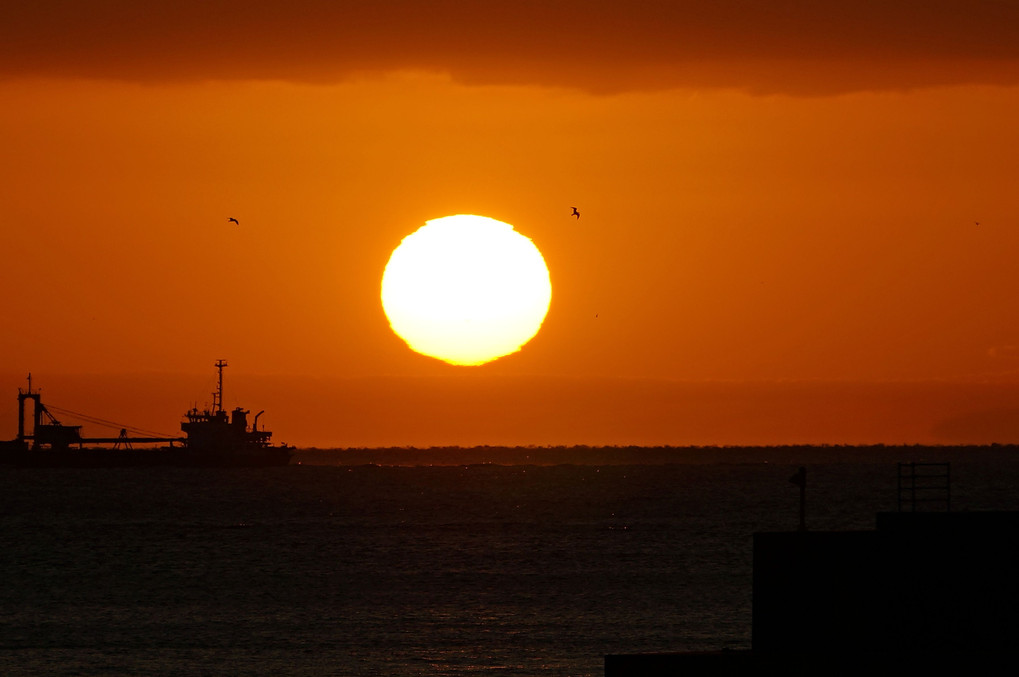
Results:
466 289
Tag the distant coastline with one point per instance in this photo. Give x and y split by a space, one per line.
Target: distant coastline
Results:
661 455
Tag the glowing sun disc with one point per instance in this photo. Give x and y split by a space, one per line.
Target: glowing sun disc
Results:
466 289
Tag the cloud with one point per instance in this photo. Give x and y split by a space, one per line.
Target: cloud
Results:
769 46
985 426
1003 352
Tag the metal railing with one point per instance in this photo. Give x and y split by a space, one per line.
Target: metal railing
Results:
925 484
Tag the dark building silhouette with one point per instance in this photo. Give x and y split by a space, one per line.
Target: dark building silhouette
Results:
931 592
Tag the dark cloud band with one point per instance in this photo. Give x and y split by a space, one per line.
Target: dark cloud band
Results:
778 45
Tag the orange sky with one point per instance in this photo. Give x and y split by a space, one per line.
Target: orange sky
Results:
775 204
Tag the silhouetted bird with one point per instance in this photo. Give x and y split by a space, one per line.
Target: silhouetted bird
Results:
234 220
575 213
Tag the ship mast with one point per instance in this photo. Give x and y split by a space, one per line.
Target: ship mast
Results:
218 395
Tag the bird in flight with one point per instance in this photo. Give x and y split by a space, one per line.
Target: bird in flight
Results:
575 213
234 220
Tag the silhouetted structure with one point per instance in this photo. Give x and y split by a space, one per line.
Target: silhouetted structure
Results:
212 438
935 592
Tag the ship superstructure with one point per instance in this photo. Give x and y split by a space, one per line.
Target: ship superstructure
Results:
215 431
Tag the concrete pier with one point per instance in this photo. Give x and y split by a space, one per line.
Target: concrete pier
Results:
934 591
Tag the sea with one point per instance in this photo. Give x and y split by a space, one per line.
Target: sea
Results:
331 566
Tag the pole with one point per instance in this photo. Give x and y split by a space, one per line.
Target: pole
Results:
800 480
219 391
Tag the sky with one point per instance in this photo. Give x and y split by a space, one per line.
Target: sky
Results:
799 220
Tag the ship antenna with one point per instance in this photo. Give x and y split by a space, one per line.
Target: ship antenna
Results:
219 391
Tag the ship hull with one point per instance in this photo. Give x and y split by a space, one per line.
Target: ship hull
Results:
133 458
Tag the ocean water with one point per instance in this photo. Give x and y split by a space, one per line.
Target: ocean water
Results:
366 570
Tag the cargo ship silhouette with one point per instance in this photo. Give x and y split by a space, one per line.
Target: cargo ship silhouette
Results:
212 438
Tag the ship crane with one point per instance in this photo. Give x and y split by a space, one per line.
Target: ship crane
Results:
50 432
